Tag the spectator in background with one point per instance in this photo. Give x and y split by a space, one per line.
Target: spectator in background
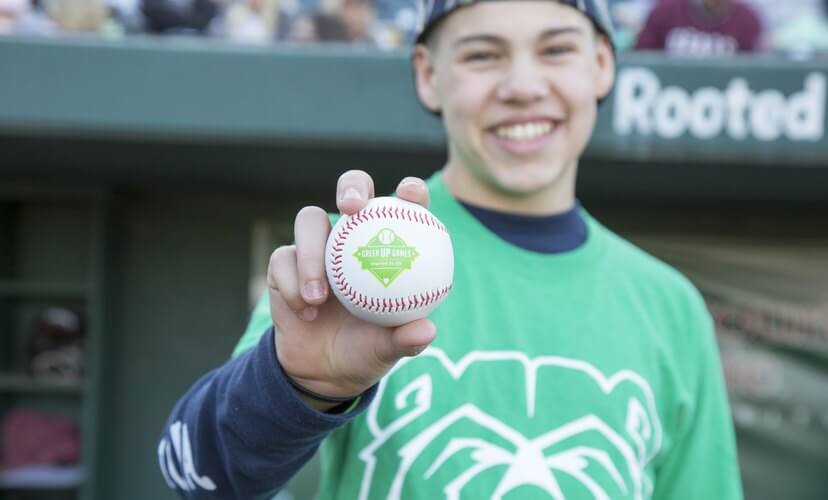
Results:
317 27
701 28
303 29
250 21
33 20
348 21
345 21
803 35
10 11
179 16
54 17
79 16
127 14
358 18
628 16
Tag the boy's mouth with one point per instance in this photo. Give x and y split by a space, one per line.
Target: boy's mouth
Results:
525 136
524 131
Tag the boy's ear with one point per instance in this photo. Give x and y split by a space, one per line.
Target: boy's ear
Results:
423 61
605 57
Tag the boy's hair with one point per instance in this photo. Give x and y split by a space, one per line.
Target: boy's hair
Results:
431 12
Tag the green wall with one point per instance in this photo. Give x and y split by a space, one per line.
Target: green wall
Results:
181 304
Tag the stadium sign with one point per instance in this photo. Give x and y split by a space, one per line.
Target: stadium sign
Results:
644 106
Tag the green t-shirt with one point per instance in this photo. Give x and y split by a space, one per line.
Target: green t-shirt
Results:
591 374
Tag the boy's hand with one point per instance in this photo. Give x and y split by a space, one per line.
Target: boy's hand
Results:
320 345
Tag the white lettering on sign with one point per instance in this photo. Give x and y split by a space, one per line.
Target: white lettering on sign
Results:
644 106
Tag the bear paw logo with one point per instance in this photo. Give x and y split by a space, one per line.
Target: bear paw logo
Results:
435 428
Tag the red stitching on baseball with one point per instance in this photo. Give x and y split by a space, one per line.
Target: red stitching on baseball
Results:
399 304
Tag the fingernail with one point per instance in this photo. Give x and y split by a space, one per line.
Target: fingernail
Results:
313 290
308 313
410 180
419 350
351 193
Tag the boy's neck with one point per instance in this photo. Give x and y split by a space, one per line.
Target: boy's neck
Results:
555 198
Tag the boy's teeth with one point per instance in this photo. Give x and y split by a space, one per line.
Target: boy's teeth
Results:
524 131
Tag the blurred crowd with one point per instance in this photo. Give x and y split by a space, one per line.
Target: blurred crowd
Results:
379 23
699 28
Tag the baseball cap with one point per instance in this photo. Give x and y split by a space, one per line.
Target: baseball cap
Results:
431 12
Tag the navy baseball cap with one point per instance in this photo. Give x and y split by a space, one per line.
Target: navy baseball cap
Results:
431 12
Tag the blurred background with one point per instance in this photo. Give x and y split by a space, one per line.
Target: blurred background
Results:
154 152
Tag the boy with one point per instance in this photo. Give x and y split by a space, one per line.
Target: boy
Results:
569 365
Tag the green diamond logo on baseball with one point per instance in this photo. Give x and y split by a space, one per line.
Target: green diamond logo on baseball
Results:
386 256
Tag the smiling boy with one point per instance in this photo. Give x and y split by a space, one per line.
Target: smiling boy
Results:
569 365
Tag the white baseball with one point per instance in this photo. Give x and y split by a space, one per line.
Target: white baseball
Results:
391 262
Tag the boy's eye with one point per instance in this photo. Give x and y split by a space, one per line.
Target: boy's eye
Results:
557 50
481 56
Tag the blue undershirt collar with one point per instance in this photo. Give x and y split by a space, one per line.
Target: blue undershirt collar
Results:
538 233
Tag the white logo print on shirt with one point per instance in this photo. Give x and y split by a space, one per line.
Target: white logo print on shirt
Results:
470 445
185 479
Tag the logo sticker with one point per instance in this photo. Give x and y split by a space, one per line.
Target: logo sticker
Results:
386 256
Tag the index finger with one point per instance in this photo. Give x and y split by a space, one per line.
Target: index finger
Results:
311 232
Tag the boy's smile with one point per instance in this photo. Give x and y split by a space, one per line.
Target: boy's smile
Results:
524 136
517 83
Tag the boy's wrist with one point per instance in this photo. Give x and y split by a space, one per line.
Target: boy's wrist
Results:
316 400
319 405
321 402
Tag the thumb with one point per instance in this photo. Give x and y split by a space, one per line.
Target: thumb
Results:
409 339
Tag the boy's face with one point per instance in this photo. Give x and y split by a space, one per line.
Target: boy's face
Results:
517 83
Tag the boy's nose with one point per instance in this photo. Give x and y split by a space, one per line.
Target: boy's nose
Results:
523 83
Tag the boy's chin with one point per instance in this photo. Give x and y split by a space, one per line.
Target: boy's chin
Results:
527 179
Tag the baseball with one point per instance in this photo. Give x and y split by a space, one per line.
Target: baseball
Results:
390 263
